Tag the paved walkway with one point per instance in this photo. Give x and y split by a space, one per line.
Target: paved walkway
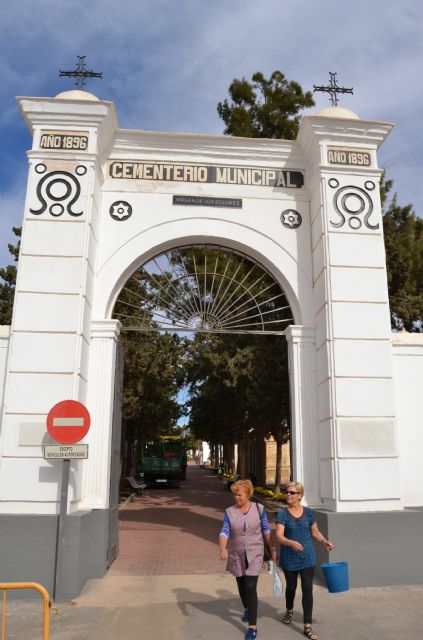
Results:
173 531
168 584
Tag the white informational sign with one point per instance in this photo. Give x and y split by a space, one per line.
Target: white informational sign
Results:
65 451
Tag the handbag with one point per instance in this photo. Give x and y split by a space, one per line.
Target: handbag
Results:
266 554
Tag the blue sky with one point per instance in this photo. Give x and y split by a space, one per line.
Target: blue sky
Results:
166 64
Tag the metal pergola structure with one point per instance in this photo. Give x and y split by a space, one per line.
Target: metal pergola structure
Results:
203 288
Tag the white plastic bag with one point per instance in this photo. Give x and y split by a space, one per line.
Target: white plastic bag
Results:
277 583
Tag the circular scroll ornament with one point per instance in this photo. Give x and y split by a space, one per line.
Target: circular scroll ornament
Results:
353 206
57 191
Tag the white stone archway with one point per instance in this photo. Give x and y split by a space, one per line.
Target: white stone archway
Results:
301 340
101 201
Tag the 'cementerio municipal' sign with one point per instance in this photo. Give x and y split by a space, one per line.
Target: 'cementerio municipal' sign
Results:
181 172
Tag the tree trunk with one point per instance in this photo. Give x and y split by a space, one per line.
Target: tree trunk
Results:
247 453
213 455
231 458
227 456
291 456
241 470
260 461
278 470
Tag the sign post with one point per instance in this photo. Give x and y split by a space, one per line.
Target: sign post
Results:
67 422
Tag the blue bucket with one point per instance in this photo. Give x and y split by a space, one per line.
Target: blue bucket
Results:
336 576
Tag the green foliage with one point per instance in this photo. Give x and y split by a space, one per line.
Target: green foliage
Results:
279 497
237 384
7 287
265 108
152 366
151 382
404 261
238 387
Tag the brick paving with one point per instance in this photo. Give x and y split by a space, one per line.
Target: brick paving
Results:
173 531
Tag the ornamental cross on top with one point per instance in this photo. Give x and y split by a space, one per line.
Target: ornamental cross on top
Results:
333 89
80 73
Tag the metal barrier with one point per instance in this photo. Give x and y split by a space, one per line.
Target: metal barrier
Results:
5 586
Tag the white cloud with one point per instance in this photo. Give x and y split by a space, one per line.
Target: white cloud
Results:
167 63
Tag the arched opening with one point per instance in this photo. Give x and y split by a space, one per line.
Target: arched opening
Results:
200 300
203 288
203 328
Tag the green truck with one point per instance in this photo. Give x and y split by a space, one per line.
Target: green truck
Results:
163 462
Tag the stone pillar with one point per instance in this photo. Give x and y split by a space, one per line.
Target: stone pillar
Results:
303 383
4 347
359 462
49 348
96 475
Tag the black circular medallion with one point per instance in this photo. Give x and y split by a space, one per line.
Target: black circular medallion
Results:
120 210
291 219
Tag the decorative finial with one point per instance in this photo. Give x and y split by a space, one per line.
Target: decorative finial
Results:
333 89
80 72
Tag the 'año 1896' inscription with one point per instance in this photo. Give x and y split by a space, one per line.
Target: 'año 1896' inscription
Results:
354 157
67 141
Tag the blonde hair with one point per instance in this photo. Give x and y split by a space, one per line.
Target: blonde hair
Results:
299 487
243 485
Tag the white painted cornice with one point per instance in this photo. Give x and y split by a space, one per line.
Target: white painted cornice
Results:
61 154
109 329
55 111
405 338
298 333
131 144
127 144
68 115
342 131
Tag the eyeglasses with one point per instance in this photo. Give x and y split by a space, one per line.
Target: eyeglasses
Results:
293 493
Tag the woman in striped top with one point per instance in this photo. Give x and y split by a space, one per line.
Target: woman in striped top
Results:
245 525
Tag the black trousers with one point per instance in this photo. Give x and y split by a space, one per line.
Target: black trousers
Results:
247 587
291 578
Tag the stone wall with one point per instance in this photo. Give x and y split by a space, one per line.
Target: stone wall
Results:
407 349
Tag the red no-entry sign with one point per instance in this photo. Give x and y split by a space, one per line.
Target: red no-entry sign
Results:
68 421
